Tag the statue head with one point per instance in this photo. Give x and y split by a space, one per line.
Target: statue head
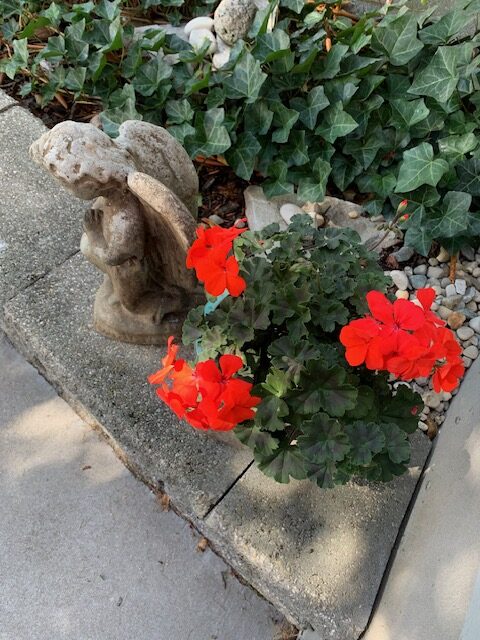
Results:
83 158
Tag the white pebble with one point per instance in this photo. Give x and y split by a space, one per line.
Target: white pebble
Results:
423 426
400 280
354 214
432 399
435 272
443 256
401 295
197 40
465 333
202 22
460 286
421 269
450 290
475 324
466 361
471 352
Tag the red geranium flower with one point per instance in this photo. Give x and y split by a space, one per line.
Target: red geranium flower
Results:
360 338
447 377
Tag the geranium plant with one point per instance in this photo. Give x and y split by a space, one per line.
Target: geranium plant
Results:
285 358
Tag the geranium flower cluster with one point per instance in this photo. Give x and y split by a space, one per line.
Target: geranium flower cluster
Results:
207 396
209 256
406 339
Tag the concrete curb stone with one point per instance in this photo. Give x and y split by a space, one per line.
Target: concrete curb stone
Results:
40 225
105 380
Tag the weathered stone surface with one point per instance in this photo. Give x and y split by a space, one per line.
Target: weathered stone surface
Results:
40 226
197 39
201 22
261 212
139 228
5 100
233 18
105 381
318 555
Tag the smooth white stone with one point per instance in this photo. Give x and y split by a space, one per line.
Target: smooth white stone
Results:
197 40
202 22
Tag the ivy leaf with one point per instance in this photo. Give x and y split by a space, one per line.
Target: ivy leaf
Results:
441 31
420 167
366 439
285 119
150 75
398 39
308 110
211 137
294 5
296 149
406 114
75 78
324 389
247 79
243 155
178 111
106 9
418 235
468 172
454 219
456 147
365 151
323 440
286 461
330 65
396 443
258 117
383 184
312 189
439 78
336 123
272 45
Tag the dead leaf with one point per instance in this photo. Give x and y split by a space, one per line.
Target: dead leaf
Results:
202 545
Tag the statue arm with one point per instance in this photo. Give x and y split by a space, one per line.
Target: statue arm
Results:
125 236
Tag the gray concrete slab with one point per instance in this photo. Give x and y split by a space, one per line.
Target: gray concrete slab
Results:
86 553
106 381
40 226
318 555
432 580
5 100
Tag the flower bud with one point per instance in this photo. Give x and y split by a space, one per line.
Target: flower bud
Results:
402 206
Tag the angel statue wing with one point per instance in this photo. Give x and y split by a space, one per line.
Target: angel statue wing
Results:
158 154
170 231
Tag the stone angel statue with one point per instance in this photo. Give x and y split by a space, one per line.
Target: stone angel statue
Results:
139 227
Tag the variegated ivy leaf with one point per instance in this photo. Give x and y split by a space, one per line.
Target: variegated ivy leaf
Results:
246 80
439 78
335 123
420 167
243 155
454 219
398 39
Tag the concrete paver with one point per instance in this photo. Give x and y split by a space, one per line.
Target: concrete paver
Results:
86 553
106 381
430 592
318 555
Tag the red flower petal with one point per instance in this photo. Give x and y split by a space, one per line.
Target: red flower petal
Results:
380 308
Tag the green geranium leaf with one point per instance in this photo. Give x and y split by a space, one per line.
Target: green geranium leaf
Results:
420 167
396 443
439 78
323 440
270 412
261 442
324 389
323 474
366 439
286 461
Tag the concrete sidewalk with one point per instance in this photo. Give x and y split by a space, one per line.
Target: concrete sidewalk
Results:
86 552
